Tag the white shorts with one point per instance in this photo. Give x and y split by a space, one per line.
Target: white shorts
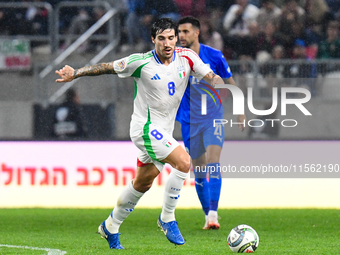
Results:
155 144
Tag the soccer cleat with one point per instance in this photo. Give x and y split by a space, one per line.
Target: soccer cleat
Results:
171 231
213 225
206 225
112 239
211 222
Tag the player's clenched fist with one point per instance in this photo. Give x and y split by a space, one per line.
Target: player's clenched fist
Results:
66 74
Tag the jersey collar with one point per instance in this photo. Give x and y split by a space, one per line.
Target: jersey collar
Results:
154 53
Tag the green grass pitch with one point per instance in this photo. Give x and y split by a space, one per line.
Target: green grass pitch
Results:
281 231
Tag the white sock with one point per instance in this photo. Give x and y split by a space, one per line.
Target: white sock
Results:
173 187
212 216
125 205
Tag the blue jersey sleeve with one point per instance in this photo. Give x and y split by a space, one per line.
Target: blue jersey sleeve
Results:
222 67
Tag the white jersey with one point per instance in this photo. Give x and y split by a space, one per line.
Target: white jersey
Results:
159 88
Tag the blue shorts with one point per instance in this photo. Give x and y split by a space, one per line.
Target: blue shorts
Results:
198 136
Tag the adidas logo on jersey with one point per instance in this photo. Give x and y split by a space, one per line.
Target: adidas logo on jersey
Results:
156 77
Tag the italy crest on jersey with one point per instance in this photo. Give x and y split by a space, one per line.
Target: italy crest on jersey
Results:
181 74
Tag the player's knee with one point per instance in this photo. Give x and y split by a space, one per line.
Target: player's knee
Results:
213 159
184 164
213 154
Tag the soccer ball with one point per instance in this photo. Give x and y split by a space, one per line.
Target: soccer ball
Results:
243 239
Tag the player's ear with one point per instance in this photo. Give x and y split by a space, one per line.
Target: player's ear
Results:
197 32
152 39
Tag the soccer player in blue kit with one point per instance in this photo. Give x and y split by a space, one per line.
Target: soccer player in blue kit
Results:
202 140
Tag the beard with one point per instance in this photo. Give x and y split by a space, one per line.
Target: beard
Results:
187 44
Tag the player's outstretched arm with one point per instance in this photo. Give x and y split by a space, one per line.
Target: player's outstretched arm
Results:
68 74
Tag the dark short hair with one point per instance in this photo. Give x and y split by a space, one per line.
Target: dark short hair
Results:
190 19
162 24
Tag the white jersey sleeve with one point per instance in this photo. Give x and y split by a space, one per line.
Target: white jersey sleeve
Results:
131 65
198 68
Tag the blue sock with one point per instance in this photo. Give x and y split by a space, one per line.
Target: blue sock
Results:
202 189
215 182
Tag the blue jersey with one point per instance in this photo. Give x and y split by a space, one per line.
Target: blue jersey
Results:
190 108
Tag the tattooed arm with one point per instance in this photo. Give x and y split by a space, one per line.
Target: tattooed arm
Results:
213 79
67 73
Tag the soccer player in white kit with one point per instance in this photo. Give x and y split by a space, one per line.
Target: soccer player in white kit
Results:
161 77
